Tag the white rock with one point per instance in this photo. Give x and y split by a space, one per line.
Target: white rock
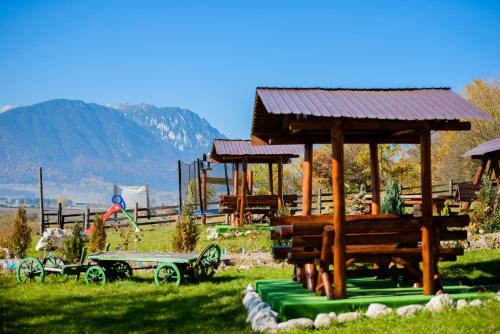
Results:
254 303
249 288
264 321
497 298
322 320
296 323
438 303
249 297
476 303
349 316
461 303
376 310
407 310
333 315
254 310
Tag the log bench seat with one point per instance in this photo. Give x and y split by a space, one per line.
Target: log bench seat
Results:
384 240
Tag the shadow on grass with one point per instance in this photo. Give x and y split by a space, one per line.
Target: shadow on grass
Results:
125 310
474 273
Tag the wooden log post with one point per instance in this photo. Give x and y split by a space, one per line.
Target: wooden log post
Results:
320 201
235 178
243 194
450 188
40 188
324 285
136 211
60 220
428 244
250 182
86 218
339 245
375 176
280 183
311 276
270 175
307 180
203 195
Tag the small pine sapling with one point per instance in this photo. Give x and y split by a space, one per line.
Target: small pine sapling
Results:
73 244
97 241
20 239
392 201
358 206
187 231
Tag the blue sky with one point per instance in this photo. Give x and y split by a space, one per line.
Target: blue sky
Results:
209 56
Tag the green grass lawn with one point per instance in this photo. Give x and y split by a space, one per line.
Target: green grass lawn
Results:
210 307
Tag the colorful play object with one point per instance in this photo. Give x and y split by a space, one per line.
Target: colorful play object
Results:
170 268
118 206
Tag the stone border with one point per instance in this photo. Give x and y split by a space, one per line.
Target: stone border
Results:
263 319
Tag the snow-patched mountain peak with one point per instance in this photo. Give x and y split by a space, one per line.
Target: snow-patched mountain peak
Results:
178 127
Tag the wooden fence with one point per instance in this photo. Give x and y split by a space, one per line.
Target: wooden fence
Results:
143 216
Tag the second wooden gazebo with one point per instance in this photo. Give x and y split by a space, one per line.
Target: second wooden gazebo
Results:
372 116
242 152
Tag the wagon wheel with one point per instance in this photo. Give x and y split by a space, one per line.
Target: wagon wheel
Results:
30 270
95 275
121 270
52 261
208 262
167 273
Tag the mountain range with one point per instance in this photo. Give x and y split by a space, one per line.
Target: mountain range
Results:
86 146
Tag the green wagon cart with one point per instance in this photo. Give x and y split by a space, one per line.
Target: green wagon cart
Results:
170 268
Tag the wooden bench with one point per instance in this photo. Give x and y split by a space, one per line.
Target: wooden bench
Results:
256 204
374 239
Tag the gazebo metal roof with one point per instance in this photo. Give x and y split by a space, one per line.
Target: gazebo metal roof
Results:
225 150
491 147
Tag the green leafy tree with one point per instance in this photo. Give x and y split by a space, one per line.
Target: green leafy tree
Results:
485 213
97 241
187 231
73 244
392 201
20 239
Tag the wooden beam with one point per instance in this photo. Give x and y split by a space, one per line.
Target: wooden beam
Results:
280 183
355 138
250 182
307 180
428 240
339 247
235 178
318 124
243 193
375 175
270 175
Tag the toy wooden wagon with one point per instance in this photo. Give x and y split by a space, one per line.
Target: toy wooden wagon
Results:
169 267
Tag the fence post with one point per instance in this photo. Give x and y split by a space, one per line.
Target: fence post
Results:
319 201
450 187
136 211
60 219
42 220
86 222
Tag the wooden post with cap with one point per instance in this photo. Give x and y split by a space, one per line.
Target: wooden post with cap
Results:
428 238
375 176
339 246
243 193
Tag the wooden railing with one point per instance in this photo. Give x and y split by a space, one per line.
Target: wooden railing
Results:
143 216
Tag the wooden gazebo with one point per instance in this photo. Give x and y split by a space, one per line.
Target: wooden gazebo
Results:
241 152
489 155
372 116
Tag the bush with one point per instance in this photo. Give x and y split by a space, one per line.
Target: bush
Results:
97 241
485 214
20 239
73 244
187 231
392 201
6 233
